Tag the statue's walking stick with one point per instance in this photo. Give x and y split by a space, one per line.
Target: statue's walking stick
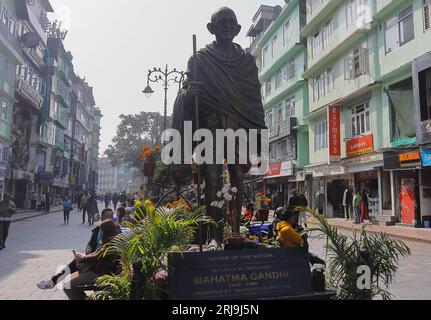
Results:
195 69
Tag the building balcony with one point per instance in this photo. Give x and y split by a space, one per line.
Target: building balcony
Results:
322 13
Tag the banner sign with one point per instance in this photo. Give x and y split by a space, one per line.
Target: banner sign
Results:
426 157
239 274
360 146
334 133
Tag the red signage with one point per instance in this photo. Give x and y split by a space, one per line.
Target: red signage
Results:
334 133
360 146
274 169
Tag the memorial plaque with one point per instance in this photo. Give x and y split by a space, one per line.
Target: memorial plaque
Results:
239 274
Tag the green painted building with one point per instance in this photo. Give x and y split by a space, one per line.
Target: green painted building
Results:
10 58
361 117
280 53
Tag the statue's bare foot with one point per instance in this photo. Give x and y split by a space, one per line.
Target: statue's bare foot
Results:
214 246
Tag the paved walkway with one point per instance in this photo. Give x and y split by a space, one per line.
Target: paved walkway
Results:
398 231
36 246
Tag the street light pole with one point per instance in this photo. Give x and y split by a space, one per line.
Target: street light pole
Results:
164 77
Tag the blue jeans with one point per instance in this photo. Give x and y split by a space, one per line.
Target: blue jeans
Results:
357 215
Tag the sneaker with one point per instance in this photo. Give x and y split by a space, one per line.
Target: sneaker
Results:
46 284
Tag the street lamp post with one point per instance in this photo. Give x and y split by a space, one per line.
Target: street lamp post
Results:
165 77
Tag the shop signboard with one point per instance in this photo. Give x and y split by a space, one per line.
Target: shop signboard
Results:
280 169
426 157
405 160
334 134
274 169
360 146
410 159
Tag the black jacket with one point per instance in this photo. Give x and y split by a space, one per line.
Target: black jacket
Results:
92 244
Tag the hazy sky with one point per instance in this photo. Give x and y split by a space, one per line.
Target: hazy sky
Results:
114 43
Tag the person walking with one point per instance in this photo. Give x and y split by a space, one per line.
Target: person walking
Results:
92 209
84 201
7 209
48 200
67 207
347 203
107 199
115 199
357 207
298 204
319 203
365 212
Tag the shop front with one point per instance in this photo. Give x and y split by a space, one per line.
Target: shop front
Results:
276 184
332 180
366 166
405 167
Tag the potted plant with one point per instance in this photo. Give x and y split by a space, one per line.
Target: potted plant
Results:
150 157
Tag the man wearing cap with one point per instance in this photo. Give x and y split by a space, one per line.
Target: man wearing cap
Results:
7 209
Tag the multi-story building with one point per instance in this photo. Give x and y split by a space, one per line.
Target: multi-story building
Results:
112 178
30 89
38 149
10 58
281 57
361 130
94 154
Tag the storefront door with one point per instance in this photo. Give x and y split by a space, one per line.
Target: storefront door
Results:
407 200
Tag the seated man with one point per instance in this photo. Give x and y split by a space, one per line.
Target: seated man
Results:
93 245
93 266
287 235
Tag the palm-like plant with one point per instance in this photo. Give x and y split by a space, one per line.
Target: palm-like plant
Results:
153 235
346 254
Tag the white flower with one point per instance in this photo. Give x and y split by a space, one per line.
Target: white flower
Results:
214 204
219 194
227 186
224 190
203 197
203 186
234 190
221 204
228 197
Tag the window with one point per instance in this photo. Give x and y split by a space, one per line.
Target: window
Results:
427 14
324 84
286 33
4 109
278 80
356 13
268 88
315 4
290 107
361 120
321 136
278 114
399 30
289 70
328 31
265 56
357 63
317 44
329 80
274 46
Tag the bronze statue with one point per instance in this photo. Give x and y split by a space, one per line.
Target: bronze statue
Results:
227 85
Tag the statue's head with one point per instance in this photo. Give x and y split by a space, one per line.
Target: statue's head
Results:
224 24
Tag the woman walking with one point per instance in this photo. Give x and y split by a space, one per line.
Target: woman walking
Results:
67 207
92 209
357 207
365 212
84 201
